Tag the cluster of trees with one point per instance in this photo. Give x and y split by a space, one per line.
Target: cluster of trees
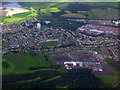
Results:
36 68
58 14
5 64
10 80
76 78
70 25
74 7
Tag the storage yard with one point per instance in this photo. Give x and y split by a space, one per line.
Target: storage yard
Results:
97 30
84 59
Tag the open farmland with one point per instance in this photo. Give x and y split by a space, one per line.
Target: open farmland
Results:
104 13
20 16
50 10
73 15
11 20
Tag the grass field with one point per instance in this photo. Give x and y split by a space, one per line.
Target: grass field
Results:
11 20
104 13
73 15
50 79
54 9
20 63
33 13
43 26
49 11
30 80
109 80
102 52
20 17
52 43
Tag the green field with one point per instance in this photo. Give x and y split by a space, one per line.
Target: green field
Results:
43 26
52 43
109 80
48 11
18 66
73 15
104 13
50 79
20 17
11 20
21 62
102 52
30 80
55 9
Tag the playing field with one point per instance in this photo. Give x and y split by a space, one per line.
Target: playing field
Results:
53 43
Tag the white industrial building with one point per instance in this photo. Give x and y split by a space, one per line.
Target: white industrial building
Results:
80 64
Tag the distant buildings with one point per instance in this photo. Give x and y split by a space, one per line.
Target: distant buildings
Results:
47 22
49 40
14 46
97 29
116 22
96 66
38 25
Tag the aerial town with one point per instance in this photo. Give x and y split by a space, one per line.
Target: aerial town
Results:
89 37
59 45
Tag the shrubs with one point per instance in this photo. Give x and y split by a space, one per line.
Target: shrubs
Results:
5 64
